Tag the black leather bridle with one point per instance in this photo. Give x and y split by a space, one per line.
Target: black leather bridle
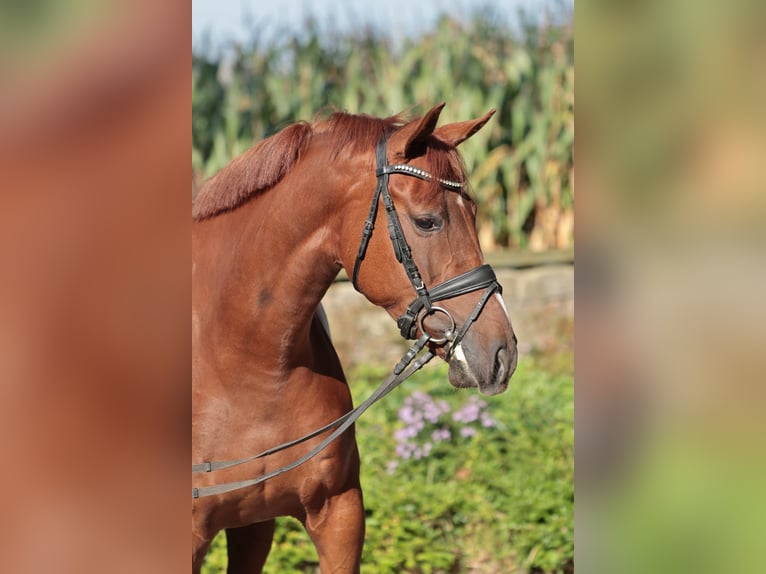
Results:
482 277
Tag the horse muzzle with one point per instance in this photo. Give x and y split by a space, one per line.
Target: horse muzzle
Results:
486 368
484 358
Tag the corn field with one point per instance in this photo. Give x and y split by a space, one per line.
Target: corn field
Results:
521 165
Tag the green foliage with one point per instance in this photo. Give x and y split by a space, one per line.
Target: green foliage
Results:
521 167
499 501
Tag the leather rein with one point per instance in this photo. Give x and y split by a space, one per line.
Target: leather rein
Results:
409 323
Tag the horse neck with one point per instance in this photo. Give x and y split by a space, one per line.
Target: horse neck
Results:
261 270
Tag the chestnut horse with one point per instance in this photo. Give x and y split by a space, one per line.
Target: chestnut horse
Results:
270 232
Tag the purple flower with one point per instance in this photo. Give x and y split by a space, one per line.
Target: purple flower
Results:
468 414
404 450
423 426
420 397
402 434
470 411
487 421
442 434
407 414
431 412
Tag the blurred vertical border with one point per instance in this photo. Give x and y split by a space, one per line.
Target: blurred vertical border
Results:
94 140
94 353
671 323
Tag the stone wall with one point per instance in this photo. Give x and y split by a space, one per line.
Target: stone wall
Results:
540 300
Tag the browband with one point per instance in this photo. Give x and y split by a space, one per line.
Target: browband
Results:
417 172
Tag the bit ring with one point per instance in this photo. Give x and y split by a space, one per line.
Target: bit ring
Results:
446 335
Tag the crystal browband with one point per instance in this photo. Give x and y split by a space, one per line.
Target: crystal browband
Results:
420 173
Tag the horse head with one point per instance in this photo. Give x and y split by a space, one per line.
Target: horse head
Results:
436 258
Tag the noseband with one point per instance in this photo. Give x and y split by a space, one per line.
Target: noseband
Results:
481 277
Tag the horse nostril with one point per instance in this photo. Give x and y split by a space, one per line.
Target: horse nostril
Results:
502 365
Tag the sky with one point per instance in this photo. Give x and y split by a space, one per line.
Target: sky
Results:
224 20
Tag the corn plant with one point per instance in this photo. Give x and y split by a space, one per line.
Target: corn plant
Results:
521 169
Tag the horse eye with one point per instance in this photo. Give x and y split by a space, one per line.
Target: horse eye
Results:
427 223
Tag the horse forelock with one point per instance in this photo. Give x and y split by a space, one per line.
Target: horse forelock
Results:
359 134
445 163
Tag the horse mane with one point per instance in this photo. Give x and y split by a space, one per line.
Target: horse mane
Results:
267 162
358 133
253 172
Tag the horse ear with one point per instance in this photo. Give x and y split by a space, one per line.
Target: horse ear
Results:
410 141
457 133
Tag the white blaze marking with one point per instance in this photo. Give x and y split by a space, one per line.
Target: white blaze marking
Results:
459 355
502 304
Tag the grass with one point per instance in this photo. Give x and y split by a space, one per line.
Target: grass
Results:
499 498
